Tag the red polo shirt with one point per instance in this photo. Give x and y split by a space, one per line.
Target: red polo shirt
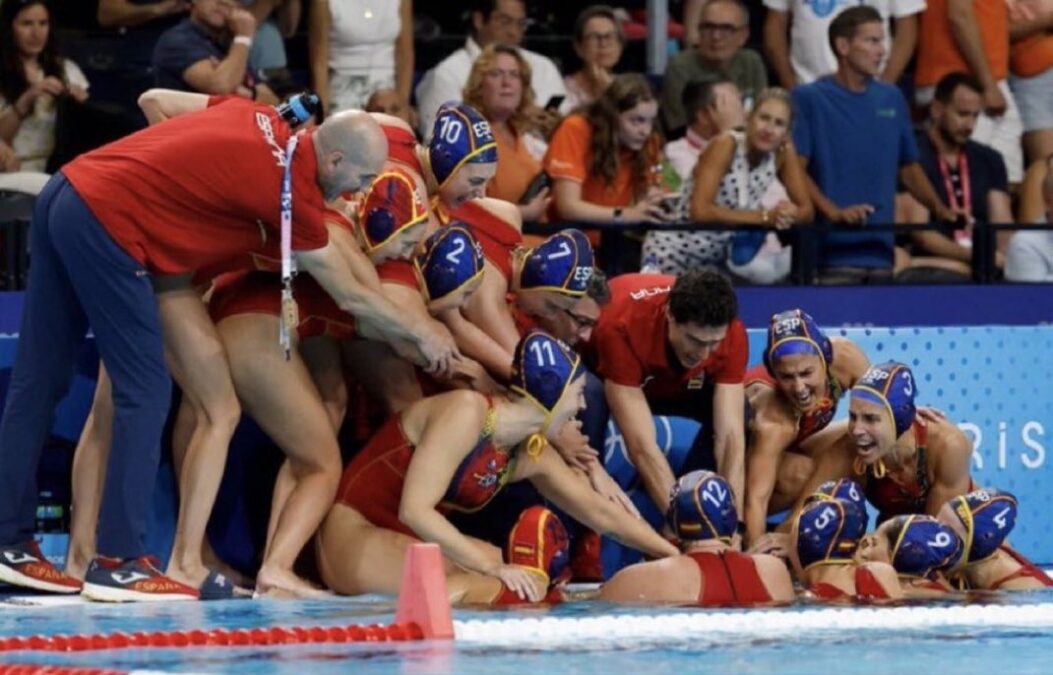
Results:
630 345
202 187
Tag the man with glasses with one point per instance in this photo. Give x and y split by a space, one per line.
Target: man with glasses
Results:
723 31
493 21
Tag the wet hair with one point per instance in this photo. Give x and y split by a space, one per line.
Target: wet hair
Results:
13 82
702 93
950 82
487 59
847 22
591 12
704 298
598 289
624 93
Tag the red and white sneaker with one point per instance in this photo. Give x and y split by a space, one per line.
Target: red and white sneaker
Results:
24 565
539 543
132 580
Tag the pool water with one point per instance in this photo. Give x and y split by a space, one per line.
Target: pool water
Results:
965 648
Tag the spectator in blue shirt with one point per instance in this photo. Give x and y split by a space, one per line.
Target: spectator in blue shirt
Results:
208 52
854 136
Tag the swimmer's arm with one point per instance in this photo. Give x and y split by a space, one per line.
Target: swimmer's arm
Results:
488 309
330 269
767 443
631 412
850 359
362 268
478 345
450 432
557 482
831 463
729 443
159 105
951 473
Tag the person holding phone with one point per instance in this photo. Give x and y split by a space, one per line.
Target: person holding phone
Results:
598 42
499 87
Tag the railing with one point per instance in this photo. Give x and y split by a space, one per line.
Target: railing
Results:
620 239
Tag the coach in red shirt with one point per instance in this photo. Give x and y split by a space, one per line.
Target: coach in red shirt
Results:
203 187
673 346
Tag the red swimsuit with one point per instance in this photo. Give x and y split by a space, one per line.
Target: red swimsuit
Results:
729 578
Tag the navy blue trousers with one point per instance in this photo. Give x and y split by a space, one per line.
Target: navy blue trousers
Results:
80 278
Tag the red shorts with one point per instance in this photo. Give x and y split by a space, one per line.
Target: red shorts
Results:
260 293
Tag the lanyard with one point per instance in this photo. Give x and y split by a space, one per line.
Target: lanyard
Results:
963 178
289 311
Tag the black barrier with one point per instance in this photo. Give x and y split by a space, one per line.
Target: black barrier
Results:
619 240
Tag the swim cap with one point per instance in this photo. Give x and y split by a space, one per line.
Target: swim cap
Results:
392 204
829 529
562 263
450 259
541 371
459 136
539 542
794 332
702 507
843 488
988 516
920 545
890 385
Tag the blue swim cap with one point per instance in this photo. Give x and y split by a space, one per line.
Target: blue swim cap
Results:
892 386
459 136
843 488
829 529
988 516
450 259
542 370
794 332
562 263
392 204
920 545
702 507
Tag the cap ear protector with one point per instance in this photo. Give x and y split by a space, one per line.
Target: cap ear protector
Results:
450 259
829 530
921 545
702 507
988 517
890 385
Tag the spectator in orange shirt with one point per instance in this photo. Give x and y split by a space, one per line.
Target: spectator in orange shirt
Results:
499 87
1031 73
602 160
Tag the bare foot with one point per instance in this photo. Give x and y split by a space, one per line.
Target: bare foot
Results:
189 574
77 562
274 582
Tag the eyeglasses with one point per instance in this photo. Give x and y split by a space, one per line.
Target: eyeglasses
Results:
498 73
719 28
582 322
600 38
505 21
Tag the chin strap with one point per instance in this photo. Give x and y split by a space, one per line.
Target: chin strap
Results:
878 470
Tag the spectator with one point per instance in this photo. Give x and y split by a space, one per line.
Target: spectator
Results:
602 160
32 77
1031 73
1029 256
723 32
499 87
973 36
731 179
501 21
853 134
276 20
389 102
208 52
598 42
357 47
967 175
807 57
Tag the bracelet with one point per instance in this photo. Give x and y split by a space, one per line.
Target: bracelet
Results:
243 40
765 216
617 214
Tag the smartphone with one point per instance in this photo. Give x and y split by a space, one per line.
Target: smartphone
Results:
555 102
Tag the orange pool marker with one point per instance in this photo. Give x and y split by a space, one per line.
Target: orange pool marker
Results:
424 600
